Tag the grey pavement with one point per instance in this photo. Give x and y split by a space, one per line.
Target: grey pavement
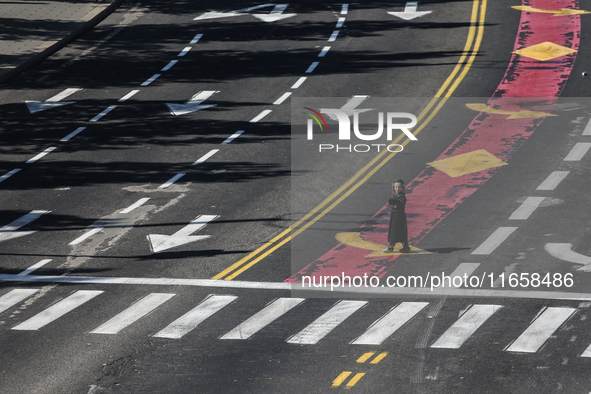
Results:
31 30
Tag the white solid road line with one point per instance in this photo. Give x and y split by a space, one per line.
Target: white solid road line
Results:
553 180
233 137
527 208
263 318
128 96
135 205
151 79
324 51
455 336
578 151
388 324
333 36
495 239
320 327
87 235
189 321
299 82
9 174
15 296
196 39
540 330
260 116
132 314
206 156
184 51
312 67
57 310
169 65
73 134
369 291
105 111
40 155
34 267
171 181
281 99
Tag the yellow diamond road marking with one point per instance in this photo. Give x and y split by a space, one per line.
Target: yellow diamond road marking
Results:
467 163
561 12
512 114
354 239
544 51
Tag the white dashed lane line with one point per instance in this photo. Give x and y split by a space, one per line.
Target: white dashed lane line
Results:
40 155
150 80
578 151
281 99
233 137
260 116
553 180
527 208
495 239
105 111
9 174
299 82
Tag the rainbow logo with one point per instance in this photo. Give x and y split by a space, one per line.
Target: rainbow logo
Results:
315 115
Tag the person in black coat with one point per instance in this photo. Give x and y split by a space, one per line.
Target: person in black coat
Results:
397 232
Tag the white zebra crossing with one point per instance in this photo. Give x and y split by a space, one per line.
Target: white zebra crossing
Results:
263 318
326 323
465 327
384 327
189 321
132 314
57 310
531 340
15 296
540 330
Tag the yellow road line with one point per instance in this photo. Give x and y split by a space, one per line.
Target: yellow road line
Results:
365 357
476 31
341 378
354 381
379 358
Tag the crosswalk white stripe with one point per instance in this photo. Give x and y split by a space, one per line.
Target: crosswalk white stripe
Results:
132 314
263 318
540 330
461 330
320 327
189 321
57 310
386 325
15 296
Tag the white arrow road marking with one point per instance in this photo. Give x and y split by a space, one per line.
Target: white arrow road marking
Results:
194 104
350 107
275 14
564 252
158 242
410 11
10 230
55 101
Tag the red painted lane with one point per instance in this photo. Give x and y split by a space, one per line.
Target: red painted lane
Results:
433 194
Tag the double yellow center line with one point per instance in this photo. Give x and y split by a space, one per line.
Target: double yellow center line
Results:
471 48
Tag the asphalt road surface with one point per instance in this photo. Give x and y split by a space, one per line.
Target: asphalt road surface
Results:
168 225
